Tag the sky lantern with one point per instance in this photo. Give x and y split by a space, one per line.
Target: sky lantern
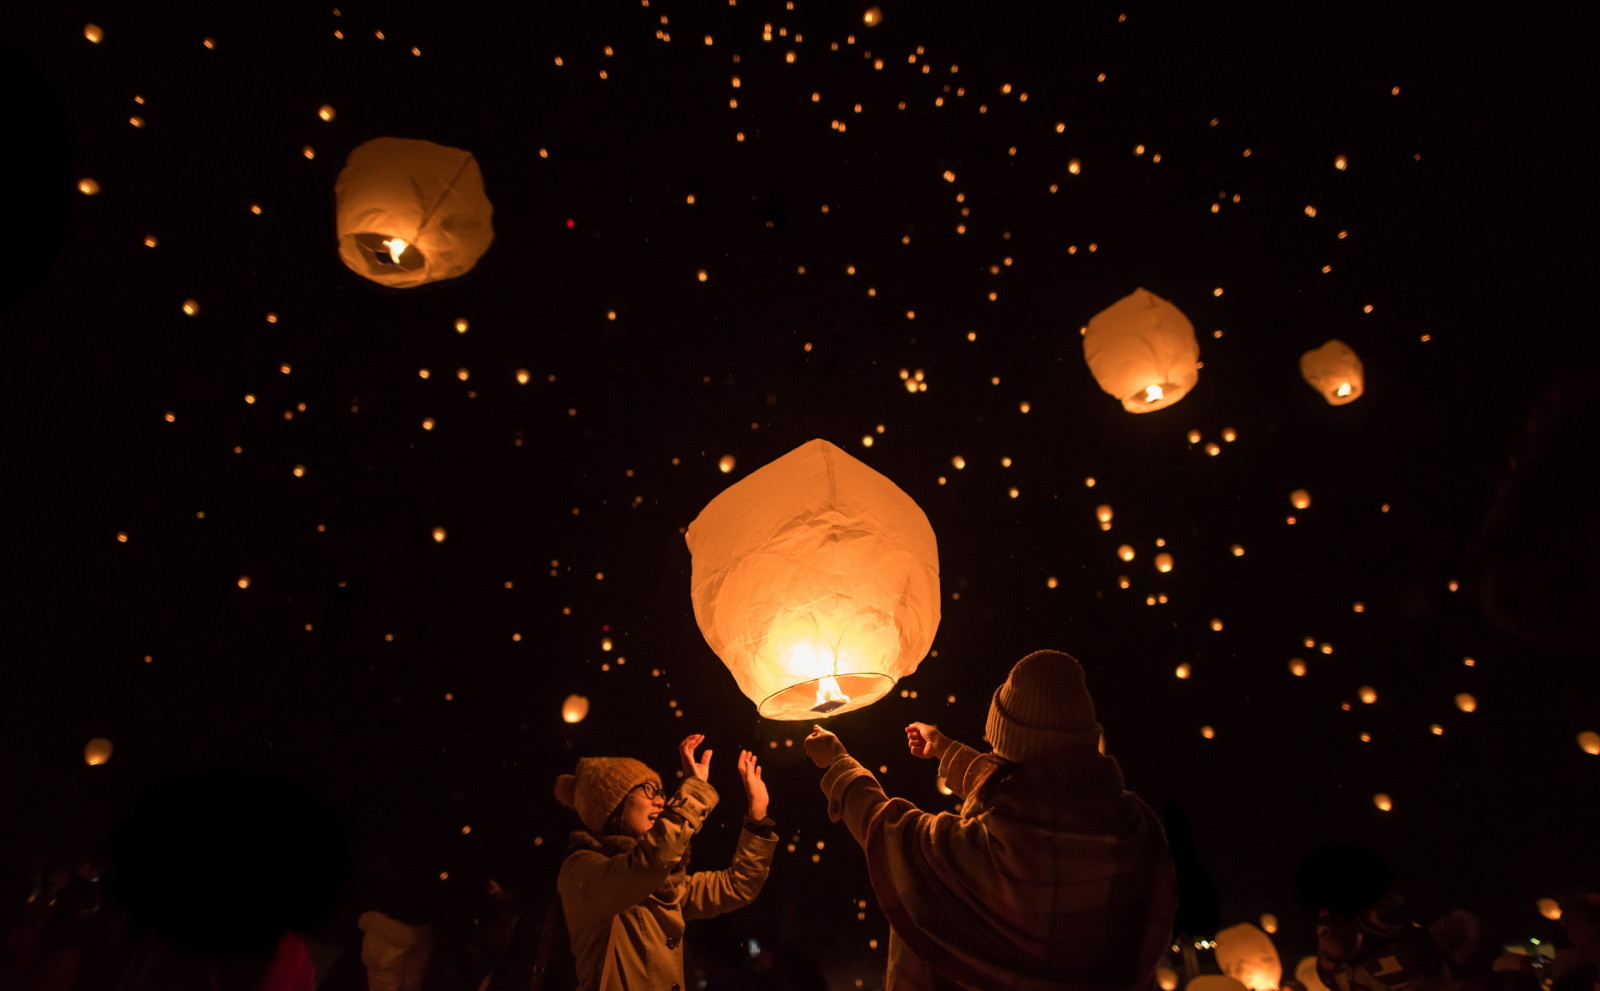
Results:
1269 923
1163 562
1306 973
1300 499
1383 802
1334 371
1247 955
1550 908
1466 702
97 751
574 709
1589 741
816 580
411 212
1166 979
1143 351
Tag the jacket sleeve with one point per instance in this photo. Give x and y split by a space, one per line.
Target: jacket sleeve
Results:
964 769
708 893
595 887
854 795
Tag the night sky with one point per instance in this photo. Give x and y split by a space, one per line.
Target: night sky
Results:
944 198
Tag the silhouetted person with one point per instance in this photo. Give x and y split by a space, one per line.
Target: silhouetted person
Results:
1052 876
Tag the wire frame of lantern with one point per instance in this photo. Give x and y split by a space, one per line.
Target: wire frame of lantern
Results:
816 580
409 212
1335 372
1142 351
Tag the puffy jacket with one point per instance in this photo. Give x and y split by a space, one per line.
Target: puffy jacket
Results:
626 899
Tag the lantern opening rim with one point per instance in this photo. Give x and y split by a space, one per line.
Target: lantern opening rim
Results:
802 696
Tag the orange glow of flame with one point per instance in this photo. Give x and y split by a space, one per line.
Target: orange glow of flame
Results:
829 694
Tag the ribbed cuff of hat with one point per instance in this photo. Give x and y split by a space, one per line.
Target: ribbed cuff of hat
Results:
1023 742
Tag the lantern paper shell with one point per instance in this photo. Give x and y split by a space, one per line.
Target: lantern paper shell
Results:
411 212
815 567
1247 955
97 751
1142 350
1335 372
574 709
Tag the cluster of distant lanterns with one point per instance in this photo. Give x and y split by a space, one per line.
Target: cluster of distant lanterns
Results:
410 212
1143 352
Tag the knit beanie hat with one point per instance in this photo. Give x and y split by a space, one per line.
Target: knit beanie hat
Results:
600 786
1043 711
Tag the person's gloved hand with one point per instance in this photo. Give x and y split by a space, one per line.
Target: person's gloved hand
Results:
823 747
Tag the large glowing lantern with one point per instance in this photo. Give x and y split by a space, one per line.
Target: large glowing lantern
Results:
97 751
410 212
574 709
1335 372
1142 350
1166 979
1247 955
816 580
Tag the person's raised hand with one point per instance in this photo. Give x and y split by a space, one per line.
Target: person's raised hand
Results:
754 788
823 747
925 741
691 767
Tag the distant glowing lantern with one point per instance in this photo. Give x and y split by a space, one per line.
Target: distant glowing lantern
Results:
439 534
1466 702
816 580
1297 667
411 212
1269 923
1166 979
1383 802
1335 372
88 186
1103 514
1589 741
1143 351
1247 955
574 709
97 751
873 17
726 464
1125 552
1163 562
1369 694
1300 499
1550 908
1306 973
93 33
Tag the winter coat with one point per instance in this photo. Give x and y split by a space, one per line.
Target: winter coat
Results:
626 899
1051 878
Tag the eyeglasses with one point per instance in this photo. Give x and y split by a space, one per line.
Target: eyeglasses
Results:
651 791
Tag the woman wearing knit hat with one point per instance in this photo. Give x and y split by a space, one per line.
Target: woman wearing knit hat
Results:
1052 877
624 887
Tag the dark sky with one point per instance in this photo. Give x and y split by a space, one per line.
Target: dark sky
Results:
1467 210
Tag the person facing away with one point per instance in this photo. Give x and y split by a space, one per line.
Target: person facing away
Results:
1052 877
625 889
